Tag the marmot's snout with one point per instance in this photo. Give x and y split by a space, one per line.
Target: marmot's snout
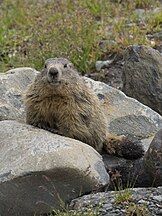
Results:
54 75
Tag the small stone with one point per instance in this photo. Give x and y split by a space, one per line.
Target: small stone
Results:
108 206
144 202
158 198
141 201
102 64
159 212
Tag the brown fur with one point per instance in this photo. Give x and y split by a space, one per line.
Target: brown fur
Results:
59 101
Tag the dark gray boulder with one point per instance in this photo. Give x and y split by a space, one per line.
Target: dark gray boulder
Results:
127 173
153 159
142 75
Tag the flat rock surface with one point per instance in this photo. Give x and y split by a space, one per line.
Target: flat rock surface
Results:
39 169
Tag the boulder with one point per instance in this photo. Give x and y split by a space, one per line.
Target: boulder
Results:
12 85
153 159
40 170
142 75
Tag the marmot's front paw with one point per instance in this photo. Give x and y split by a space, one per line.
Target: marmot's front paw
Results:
42 125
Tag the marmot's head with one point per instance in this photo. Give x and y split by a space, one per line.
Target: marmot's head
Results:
57 71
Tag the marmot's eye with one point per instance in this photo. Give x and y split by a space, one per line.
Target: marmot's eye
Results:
65 65
45 66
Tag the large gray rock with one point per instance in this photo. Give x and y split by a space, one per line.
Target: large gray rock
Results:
142 76
12 85
38 169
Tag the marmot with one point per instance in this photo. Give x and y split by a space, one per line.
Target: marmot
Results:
59 101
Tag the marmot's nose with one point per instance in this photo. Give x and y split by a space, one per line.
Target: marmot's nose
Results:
53 71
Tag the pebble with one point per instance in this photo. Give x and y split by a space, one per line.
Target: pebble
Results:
158 198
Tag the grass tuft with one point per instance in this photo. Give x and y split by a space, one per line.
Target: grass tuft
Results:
137 210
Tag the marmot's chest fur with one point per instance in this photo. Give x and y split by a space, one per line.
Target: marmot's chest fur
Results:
59 101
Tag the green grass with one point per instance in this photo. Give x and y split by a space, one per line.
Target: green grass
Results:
123 196
32 32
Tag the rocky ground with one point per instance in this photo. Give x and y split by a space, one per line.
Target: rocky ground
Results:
137 201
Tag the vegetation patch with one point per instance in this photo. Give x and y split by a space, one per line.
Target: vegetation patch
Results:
123 196
137 210
34 30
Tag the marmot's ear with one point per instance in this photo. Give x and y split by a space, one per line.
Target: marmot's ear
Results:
45 65
71 65
68 65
